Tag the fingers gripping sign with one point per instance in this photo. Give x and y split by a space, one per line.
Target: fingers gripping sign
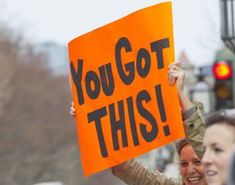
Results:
175 73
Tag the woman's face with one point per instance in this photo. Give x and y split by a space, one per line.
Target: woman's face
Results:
191 168
218 140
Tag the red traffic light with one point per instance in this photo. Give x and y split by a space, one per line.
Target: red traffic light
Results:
222 70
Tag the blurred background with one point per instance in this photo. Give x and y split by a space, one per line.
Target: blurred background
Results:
38 141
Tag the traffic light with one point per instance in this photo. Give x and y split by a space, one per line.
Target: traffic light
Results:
223 74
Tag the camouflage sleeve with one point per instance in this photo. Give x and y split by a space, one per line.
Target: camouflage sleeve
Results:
195 127
134 173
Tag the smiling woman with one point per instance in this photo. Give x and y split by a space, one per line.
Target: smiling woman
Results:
191 169
218 140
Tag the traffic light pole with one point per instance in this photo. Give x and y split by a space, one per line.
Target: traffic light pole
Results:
233 85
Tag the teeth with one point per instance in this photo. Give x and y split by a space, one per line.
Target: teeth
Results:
210 173
194 179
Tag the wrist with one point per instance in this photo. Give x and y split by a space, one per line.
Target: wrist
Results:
188 113
185 102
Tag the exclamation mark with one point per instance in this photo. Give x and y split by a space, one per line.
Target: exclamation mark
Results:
161 109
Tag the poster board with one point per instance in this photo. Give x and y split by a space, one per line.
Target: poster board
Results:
124 103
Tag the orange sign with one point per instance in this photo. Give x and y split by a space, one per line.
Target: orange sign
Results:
124 103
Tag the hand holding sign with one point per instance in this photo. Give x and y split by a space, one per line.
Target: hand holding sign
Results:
176 74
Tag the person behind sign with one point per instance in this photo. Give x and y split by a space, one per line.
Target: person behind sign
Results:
191 169
218 141
190 150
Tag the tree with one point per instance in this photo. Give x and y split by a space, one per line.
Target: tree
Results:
38 138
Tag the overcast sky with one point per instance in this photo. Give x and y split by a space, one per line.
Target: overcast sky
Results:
196 22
